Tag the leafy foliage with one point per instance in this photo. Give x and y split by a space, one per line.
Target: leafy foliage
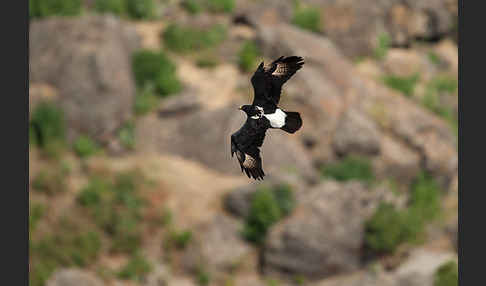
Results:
350 168
183 39
115 208
192 6
447 275
50 181
85 146
225 6
116 7
46 8
382 46
403 84
47 127
136 268
155 68
140 9
389 227
267 207
248 56
307 17
36 212
145 100
431 99
180 239
126 134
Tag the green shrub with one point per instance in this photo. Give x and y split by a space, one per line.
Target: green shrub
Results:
136 268
447 275
390 227
443 84
46 8
425 197
47 125
203 277
70 245
307 17
126 135
403 84
220 6
382 46
180 239
145 100
350 168
155 68
116 7
192 6
433 58
207 62
267 207
140 9
248 56
116 208
85 146
183 39
50 182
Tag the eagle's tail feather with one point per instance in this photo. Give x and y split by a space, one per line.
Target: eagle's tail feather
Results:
293 122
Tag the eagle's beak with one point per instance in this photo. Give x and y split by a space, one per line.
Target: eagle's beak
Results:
239 108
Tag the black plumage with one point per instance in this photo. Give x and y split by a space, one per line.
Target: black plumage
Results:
264 113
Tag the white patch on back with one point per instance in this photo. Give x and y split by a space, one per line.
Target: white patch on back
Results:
277 119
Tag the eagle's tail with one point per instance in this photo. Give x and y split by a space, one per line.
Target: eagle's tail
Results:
293 122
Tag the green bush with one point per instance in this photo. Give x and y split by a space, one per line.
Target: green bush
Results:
85 146
382 46
432 102
126 135
155 68
116 7
447 275
183 39
192 6
248 56
403 84
46 8
220 6
180 239
70 245
433 58
390 227
384 230
47 125
443 84
140 9
350 168
116 208
145 100
307 17
207 62
136 268
267 207
203 277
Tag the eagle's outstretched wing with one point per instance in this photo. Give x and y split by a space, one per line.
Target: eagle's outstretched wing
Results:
245 143
267 81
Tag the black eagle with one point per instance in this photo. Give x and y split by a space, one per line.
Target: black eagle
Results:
264 113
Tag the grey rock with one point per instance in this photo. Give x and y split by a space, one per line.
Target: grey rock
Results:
217 246
324 234
73 277
356 134
88 60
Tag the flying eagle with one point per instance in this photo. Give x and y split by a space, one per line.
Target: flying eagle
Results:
264 113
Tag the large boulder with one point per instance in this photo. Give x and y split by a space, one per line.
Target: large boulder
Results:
88 61
73 277
217 247
324 235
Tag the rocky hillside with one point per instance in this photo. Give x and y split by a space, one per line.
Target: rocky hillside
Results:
131 107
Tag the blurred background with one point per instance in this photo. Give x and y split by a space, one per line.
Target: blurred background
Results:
132 104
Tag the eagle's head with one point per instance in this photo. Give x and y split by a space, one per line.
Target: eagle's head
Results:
250 110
